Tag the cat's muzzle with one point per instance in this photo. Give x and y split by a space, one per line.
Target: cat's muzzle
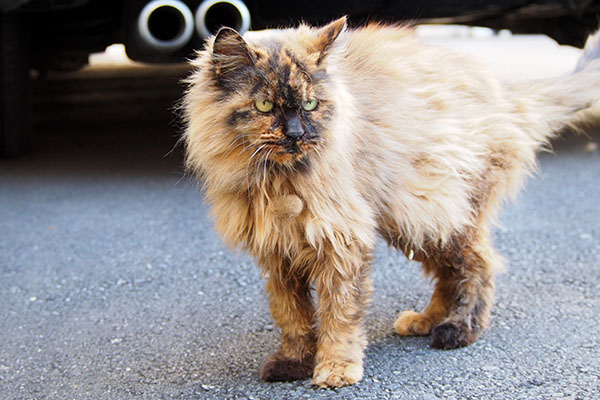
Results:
291 146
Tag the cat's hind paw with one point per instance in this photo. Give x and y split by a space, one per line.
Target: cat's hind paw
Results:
337 373
451 335
278 367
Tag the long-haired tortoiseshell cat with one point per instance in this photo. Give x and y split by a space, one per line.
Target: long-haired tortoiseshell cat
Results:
312 142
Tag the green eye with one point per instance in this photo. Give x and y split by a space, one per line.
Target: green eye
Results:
310 105
264 105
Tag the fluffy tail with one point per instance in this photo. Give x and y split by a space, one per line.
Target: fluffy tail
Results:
547 106
591 52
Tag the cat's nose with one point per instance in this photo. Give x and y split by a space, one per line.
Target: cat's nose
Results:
293 128
294 134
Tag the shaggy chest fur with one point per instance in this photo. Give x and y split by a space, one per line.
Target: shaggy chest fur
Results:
303 217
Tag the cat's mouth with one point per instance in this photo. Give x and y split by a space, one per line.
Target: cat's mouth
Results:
291 147
288 150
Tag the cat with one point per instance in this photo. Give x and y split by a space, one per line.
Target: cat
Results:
313 142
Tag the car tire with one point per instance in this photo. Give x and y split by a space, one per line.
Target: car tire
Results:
15 124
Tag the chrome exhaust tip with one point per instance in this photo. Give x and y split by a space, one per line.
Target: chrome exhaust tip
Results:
165 25
213 14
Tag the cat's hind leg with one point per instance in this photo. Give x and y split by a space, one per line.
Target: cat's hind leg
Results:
293 311
460 306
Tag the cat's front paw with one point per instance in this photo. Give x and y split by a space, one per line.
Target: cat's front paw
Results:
411 323
278 367
337 373
289 206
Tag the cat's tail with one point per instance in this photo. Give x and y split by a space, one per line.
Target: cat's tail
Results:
547 106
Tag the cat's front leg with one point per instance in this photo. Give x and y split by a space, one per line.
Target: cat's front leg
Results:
293 311
343 287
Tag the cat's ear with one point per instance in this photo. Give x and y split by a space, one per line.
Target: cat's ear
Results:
327 35
230 54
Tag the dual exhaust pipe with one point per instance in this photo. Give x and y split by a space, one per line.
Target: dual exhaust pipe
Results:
168 25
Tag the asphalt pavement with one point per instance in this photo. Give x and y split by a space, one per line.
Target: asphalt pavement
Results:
113 284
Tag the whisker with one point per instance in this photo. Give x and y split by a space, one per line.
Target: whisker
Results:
258 168
317 151
234 143
265 164
248 147
263 184
259 183
257 150
248 166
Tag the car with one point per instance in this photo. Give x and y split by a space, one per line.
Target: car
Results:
59 35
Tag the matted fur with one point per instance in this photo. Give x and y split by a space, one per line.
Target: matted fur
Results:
410 142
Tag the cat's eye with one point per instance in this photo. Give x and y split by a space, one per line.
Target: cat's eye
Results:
263 105
310 105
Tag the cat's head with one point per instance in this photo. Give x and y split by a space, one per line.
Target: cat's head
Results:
273 92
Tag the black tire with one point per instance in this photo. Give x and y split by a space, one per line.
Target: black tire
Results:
15 124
